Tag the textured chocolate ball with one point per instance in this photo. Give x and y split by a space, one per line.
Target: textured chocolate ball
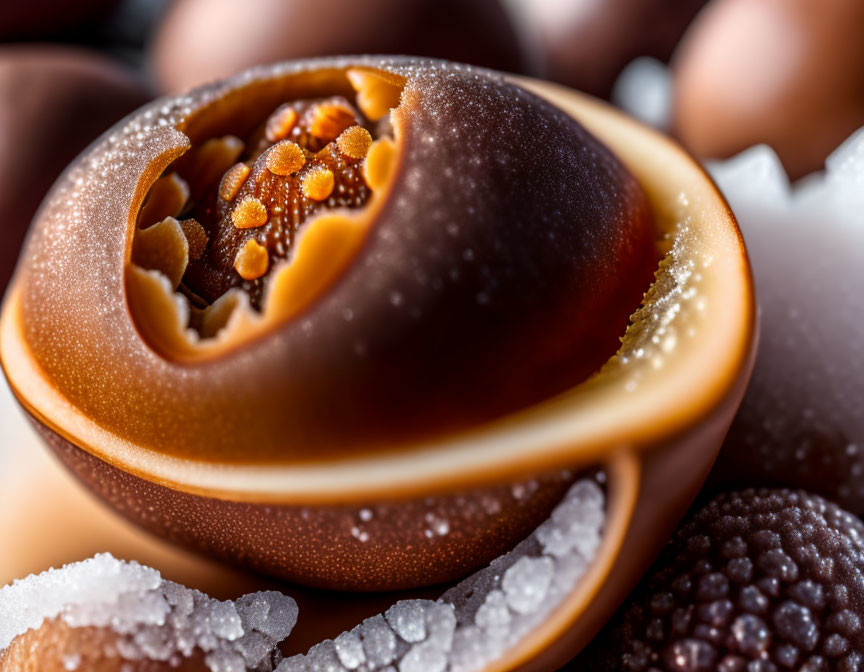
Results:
756 580
204 40
53 102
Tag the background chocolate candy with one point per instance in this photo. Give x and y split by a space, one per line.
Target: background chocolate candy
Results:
53 102
203 40
586 43
756 580
789 73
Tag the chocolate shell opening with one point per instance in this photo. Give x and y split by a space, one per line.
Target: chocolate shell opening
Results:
414 228
222 224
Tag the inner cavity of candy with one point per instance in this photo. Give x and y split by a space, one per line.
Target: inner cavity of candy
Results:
239 205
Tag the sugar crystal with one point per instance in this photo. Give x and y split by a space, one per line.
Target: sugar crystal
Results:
349 648
407 620
152 619
479 620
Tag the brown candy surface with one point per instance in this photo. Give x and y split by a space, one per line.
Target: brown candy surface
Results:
500 239
585 44
756 580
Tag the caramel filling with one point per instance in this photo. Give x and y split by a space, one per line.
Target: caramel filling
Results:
227 215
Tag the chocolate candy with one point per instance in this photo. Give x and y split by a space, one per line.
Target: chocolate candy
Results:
756 580
203 40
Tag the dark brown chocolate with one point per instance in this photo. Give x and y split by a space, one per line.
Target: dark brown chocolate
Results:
509 235
757 580
373 545
821 458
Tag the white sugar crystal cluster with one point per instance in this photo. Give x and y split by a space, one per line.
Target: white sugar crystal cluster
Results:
484 616
155 619
806 241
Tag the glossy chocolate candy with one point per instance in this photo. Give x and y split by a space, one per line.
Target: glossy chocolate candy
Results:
212 429
758 579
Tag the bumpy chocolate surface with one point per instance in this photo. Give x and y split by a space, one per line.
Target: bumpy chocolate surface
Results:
502 267
282 195
757 580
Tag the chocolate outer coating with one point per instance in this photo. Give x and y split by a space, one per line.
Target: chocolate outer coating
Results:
203 40
756 580
53 102
391 545
492 277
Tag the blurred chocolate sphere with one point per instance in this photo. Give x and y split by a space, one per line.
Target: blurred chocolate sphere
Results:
586 43
53 102
43 18
203 40
789 73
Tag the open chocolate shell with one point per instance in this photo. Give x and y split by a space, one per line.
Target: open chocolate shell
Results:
367 420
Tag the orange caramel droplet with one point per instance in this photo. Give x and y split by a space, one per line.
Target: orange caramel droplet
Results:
252 260
285 158
250 213
379 163
317 184
354 142
328 120
281 123
232 181
196 237
378 91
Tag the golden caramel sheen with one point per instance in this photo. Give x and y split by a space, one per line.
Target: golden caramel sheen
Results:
354 142
232 181
250 213
252 260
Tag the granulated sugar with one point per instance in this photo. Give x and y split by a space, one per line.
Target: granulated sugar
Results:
153 618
